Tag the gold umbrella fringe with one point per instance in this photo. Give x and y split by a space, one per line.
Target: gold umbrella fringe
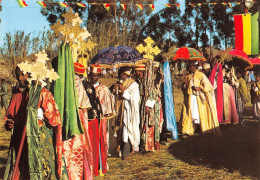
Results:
124 64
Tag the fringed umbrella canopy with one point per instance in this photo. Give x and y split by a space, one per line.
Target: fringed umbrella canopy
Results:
239 59
255 64
255 61
117 56
186 53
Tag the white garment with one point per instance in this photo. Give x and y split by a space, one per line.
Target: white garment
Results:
131 116
194 109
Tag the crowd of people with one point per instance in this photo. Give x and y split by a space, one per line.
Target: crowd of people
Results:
133 108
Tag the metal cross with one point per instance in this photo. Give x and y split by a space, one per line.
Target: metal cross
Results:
148 49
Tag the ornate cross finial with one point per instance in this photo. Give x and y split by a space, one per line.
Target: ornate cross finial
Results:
70 30
148 49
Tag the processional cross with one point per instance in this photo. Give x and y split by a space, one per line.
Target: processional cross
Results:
148 49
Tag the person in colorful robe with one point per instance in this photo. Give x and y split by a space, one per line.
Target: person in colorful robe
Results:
230 114
107 102
256 97
241 95
33 114
199 108
151 134
95 114
216 79
131 116
77 150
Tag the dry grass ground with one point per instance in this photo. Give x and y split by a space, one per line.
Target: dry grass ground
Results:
235 155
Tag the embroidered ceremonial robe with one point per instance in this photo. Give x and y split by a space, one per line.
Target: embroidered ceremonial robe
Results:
78 150
131 116
155 117
94 129
108 108
41 156
206 105
230 110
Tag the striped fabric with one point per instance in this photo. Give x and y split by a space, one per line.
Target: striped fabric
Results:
247 33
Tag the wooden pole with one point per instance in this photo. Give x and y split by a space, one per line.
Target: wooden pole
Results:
19 153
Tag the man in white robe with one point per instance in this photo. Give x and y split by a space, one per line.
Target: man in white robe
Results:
131 116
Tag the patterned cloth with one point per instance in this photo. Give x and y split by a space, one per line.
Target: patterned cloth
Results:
230 110
106 99
50 161
155 116
116 55
95 129
107 102
78 147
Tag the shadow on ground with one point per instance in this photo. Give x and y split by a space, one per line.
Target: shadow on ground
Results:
237 150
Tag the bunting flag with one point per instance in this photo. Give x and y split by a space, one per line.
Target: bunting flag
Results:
62 4
42 4
247 33
140 6
152 7
123 6
81 5
106 6
22 3
167 5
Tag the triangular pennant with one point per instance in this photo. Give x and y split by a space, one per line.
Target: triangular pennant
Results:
123 6
42 4
140 6
22 3
167 5
152 6
62 4
106 6
81 5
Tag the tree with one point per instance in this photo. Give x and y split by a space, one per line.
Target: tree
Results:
19 45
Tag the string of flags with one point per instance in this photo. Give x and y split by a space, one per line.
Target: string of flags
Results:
44 4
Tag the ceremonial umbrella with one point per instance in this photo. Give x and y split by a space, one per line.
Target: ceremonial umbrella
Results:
255 64
255 61
117 56
186 53
239 59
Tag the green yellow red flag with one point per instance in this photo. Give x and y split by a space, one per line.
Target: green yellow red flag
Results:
247 33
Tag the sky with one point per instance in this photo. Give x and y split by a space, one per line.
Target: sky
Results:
30 19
